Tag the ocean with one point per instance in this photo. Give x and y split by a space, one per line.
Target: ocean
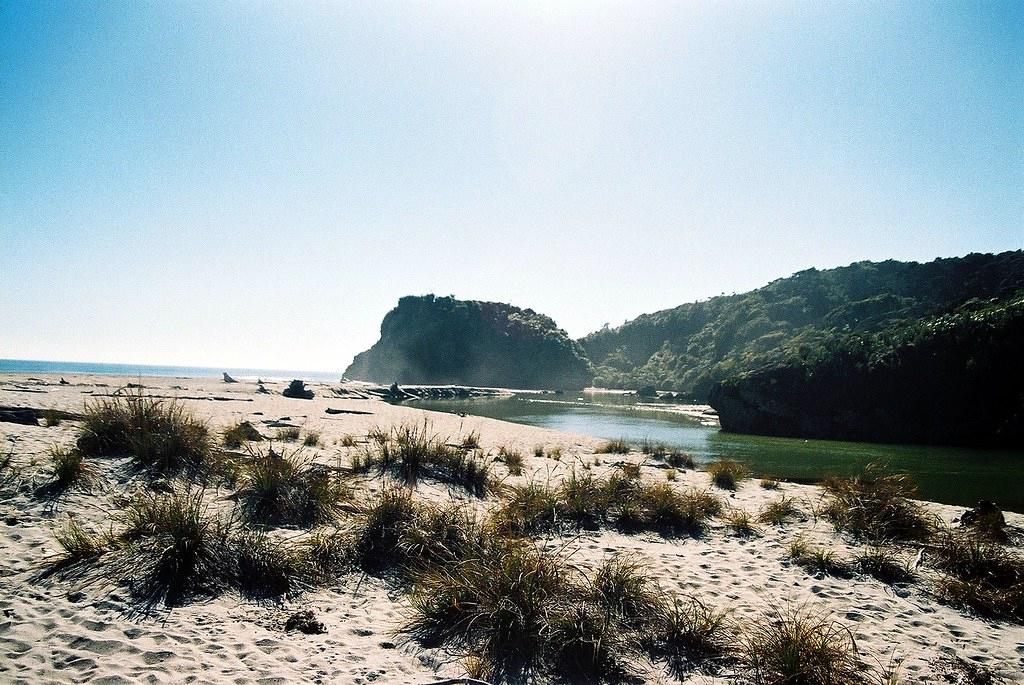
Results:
129 370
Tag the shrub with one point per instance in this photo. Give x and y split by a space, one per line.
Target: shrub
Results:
287 434
281 489
513 460
238 434
726 473
620 446
158 435
800 646
876 506
312 439
778 512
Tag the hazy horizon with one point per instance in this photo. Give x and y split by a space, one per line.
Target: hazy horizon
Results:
256 186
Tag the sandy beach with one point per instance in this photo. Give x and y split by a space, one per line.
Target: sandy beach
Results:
58 631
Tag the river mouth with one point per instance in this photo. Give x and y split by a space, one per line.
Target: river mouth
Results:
951 475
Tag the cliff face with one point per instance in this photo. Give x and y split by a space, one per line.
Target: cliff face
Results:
955 379
441 340
691 347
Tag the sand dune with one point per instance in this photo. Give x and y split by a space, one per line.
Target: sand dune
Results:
58 631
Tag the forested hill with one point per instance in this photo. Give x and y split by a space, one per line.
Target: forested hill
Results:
691 347
441 340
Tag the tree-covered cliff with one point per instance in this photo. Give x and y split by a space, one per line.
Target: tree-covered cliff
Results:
441 340
693 346
957 378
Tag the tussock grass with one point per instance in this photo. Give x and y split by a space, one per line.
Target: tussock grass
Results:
555 453
529 509
160 436
630 470
671 512
411 452
289 489
382 524
882 563
240 433
689 632
347 441
51 418
513 460
581 498
656 450
817 560
287 434
769 482
538 451
622 587
741 523
312 439
800 646
778 512
680 460
671 475
620 446
69 468
876 505
980 575
267 567
79 544
471 441
727 474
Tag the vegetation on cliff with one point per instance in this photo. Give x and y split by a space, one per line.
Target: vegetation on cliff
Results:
441 340
691 347
956 378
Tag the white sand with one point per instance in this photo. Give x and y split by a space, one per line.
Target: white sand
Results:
54 631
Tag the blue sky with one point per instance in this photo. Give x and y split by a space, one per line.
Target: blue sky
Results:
255 184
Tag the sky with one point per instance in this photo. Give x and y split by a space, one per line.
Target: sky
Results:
257 183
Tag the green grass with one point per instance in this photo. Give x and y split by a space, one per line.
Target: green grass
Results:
288 489
876 506
159 436
727 474
620 446
800 646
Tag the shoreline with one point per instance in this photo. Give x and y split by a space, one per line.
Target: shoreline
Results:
49 626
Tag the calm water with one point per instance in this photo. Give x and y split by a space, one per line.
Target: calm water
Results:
71 368
944 474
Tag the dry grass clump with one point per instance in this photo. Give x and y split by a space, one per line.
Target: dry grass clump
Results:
471 441
382 524
778 512
671 512
876 506
882 563
726 473
287 434
582 499
312 439
741 523
980 575
800 646
538 451
160 436
51 417
410 452
689 632
671 475
555 453
347 440
680 460
513 460
529 509
620 446
769 482
240 433
171 548
69 467
817 560
288 489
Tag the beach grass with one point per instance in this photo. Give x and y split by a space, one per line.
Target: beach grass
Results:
727 474
876 505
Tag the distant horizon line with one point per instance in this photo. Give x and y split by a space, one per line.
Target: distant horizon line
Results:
38 366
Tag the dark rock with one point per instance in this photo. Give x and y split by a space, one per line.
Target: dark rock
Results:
64 382
262 390
986 517
647 391
668 396
297 390
228 379
304 622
